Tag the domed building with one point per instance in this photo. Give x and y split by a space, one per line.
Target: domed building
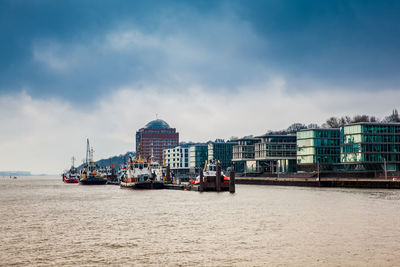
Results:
156 136
157 124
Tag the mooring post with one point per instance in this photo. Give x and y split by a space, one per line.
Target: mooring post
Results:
201 181
218 178
319 178
232 182
168 174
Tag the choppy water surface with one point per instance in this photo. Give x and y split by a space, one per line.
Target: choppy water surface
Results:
46 222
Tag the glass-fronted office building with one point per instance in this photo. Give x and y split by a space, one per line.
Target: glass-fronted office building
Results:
243 156
318 149
276 153
370 146
221 151
198 154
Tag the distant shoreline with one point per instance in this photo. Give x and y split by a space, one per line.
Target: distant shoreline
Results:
23 173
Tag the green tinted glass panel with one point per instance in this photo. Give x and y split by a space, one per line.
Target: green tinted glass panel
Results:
305 134
305 142
352 129
350 139
351 157
306 151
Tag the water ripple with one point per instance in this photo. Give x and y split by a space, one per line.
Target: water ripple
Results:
46 222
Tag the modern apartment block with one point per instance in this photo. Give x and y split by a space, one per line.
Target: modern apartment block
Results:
177 159
276 153
243 155
221 151
370 146
318 149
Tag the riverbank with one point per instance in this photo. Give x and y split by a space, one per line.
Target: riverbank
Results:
322 182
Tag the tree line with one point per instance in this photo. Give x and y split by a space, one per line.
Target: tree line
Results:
337 122
334 122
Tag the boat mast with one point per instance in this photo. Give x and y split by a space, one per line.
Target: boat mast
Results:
152 155
91 156
87 152
73 161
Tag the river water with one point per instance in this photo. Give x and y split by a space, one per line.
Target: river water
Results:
46 222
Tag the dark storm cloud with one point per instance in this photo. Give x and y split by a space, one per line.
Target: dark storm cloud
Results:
75 48
343 43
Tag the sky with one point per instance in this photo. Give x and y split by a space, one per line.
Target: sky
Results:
71 70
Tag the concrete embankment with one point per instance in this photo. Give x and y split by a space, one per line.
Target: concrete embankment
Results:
322 182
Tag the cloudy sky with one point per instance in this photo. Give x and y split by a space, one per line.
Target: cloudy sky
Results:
212 69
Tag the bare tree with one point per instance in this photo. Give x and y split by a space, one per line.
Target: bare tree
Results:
373 119
394 117
360 118
332 122
295 127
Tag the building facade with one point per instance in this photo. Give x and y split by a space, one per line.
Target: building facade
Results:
243 155
221 151
318 149
276 153
177 159
156 136
370 146
198 154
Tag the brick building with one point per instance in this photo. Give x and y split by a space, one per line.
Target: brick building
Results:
156 136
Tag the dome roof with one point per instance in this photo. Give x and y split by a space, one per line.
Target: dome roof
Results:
157 124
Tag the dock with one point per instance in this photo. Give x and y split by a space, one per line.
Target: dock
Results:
209 183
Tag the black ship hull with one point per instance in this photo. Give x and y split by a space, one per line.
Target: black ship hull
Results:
144 185
93 181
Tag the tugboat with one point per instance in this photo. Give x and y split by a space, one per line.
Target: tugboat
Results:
72 175
90 175
112 175
155 168
210 172
139 176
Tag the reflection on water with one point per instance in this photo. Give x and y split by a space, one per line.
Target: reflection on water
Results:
46 222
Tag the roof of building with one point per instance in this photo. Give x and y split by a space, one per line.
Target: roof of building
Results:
275 135
200 145
157 124
320 129
374 123
247 139
233 142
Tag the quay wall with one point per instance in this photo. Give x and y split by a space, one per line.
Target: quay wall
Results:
323 182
